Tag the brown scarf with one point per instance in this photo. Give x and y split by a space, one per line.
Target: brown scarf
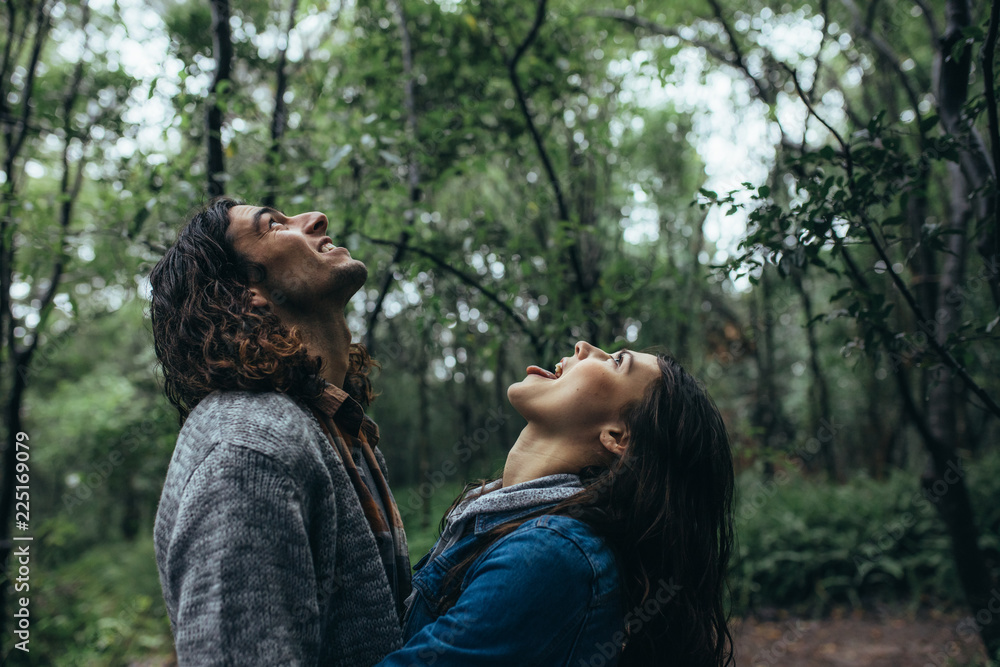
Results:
347 426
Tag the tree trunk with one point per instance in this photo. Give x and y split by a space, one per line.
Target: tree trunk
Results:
15 136
767 415
279 120
974 173
12 419
819 403
974 160
130 511
939 480
223 50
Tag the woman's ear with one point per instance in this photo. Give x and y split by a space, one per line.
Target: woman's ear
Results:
614 438
257 299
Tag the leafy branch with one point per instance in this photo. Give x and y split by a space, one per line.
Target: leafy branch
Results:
866 225
469 281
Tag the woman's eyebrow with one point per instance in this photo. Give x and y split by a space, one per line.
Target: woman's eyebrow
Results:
630 360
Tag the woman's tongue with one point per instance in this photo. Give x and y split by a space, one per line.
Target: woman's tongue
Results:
535 370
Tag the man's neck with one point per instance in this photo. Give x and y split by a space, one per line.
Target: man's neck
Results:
326 335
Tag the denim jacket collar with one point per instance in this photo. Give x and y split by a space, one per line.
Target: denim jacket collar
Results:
481 511
487 522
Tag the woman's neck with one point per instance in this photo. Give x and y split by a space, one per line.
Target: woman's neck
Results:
536 454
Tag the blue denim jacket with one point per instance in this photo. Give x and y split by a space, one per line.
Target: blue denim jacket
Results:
547 594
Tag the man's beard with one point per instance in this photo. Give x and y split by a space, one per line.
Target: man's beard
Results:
299 292
350 277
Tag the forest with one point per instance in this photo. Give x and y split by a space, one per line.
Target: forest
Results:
797 199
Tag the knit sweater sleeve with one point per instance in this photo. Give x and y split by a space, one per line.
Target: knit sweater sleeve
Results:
239 565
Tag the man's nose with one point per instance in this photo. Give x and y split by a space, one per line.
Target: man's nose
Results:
314 222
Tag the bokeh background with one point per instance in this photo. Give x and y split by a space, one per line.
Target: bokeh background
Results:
796 199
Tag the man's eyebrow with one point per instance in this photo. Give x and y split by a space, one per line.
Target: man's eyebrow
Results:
261 212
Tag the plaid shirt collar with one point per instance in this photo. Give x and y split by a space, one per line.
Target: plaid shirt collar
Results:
348 414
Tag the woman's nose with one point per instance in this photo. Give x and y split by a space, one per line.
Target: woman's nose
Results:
583 349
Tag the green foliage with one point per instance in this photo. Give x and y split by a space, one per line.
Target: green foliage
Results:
812 547
104 608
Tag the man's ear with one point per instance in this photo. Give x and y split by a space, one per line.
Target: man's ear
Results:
614 438
257 298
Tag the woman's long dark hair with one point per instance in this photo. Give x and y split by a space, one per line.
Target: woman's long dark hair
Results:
665 508
208 337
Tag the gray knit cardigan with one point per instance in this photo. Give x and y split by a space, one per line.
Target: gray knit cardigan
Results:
264 554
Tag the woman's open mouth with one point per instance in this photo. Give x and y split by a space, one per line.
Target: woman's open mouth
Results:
549 375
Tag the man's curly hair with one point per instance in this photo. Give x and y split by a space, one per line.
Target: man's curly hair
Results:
207 335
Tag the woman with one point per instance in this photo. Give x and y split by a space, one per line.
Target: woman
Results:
605 542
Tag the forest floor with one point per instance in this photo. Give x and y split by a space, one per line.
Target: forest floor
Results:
889 638
896 638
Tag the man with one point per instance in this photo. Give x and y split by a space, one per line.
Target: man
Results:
277 539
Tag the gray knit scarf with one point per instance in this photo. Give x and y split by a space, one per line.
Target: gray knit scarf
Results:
496 498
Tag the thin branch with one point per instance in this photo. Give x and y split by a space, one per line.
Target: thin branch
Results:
468 280
543 154
848 160
519 52
818 60
665 31
763 88
522 100
68 194
898 371
932 26
989 81
14 141
919 314
8 46
42 21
